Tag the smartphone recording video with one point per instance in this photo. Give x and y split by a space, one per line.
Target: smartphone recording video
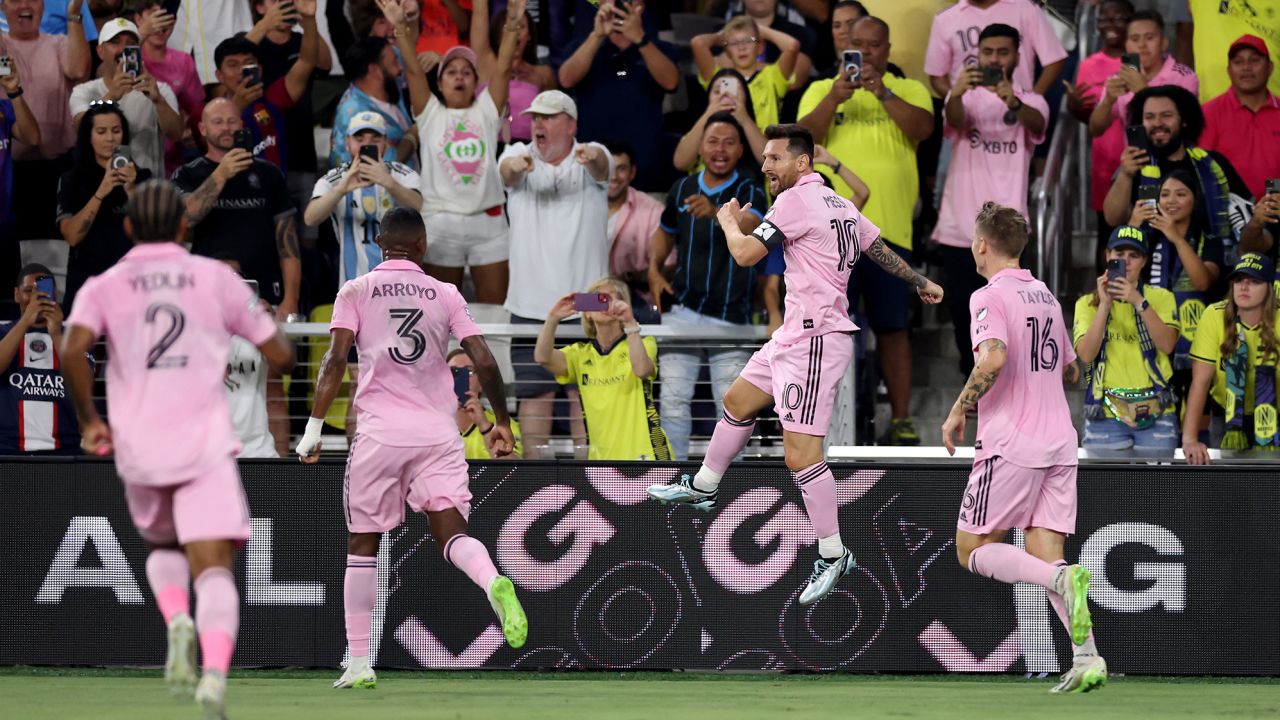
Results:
591 302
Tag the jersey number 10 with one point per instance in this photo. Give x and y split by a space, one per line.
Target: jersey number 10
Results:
1044 349
846 241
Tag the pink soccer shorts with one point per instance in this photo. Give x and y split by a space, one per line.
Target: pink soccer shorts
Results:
209 507
802 378
1001 495
380 479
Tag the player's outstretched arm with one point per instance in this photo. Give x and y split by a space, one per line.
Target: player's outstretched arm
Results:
499 439
332 369
77 341
929 291
992 354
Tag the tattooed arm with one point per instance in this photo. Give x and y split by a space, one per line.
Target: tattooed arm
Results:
929 291
992 354
290 263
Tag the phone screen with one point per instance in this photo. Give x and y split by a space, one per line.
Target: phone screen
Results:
591 302
461 384
1273 186
44 284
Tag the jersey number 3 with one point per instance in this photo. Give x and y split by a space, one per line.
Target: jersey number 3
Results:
1044 349
408 318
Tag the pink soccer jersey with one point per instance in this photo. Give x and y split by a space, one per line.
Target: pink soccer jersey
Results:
1170 73
168 317
990 160
953 38
402 319
1105 149
822 236
1024 417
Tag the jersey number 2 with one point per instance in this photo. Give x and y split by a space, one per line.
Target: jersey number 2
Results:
409 318
1044 349
177 323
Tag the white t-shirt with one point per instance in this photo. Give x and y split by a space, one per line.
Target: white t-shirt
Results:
246 383
355 219
146 141
559 231
459 173
199 25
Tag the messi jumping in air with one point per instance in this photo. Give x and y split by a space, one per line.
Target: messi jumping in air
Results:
1024 467
822 236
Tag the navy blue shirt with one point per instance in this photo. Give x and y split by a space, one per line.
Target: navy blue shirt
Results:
36 414
708 280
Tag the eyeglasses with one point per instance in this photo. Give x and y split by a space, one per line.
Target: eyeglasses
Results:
743 41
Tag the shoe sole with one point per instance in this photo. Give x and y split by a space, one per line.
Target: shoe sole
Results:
361 684
1090 681
515 626
702 505
180 664
1081 620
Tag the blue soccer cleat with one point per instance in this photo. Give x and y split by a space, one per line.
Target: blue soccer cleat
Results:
682 492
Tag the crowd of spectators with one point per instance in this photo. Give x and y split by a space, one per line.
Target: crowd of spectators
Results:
561 147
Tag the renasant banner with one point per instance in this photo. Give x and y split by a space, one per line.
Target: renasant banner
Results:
1185 578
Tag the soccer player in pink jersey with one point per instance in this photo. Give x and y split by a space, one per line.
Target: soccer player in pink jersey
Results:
822 235
1024 467
407 447
168 317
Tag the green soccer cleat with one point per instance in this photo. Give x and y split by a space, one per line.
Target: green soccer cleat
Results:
502 597
180 662
359 676
901 432
1075 593
1087 674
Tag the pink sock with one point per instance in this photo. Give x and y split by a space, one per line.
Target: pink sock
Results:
818 486
470 556
169 575
1006 563
359 592
1060 607
727 440
217 617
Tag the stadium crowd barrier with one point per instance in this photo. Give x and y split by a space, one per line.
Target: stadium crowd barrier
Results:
1183 561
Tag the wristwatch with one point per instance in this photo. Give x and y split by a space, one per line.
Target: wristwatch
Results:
1145 304
1017 105
77 18
633 330
643 41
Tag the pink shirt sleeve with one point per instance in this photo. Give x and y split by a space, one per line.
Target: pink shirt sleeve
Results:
988 318
243 313
938 60
1043 39
346 312
461 324
87 312
785 221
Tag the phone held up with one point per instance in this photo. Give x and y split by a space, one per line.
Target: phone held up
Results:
252 75
121 156
991 76
591 302
6 66
369 151
243 139
1131 60
1115 269
851 64
461 384
44 284
131 60
1149 194
1273 186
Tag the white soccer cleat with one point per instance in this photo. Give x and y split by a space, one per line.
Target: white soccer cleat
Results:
1086 674
180 664
211 695
825 576
359 676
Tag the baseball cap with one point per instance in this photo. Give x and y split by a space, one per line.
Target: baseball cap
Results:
1128 236
115 27
1249 41
367 121
1258 267
552 102
458 51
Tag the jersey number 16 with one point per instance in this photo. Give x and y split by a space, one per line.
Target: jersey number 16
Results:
1044 349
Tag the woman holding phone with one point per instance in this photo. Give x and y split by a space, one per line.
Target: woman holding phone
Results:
93 193
1124 332
462 191
1184 260
614 371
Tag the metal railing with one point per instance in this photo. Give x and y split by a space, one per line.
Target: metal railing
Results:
1059 204
312 339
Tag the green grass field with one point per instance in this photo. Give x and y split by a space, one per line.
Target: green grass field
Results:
306 695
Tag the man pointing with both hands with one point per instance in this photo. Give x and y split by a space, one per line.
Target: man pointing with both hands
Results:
557 199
